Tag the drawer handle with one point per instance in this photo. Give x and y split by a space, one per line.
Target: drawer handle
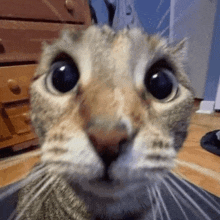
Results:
14 87
26 117
70 6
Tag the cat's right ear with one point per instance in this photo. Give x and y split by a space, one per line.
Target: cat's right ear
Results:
180 50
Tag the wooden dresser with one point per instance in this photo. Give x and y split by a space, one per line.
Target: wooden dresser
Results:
24 25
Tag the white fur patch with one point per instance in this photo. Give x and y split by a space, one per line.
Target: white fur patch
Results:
140 71
80 154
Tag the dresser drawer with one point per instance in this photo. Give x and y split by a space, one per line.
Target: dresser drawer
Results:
19 118
4 131
15 127
65 11
22 41
16 130
14 83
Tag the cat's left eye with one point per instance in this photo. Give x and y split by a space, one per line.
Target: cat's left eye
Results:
63 77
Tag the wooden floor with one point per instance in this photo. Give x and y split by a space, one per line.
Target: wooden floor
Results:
195 164
198 165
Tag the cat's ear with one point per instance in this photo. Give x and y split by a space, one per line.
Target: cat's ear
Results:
180 50
44 45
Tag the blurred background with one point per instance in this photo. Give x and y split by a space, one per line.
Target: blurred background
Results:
199 21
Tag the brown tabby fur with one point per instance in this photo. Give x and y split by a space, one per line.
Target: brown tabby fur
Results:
110 93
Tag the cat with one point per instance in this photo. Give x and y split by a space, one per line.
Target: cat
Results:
111 110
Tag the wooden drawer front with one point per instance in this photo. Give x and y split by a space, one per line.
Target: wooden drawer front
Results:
16 129
71 11
21 41
14 83
19 118
4 131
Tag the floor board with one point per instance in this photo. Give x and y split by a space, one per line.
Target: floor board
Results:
203 167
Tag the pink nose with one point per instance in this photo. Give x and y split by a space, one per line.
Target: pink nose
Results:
107 139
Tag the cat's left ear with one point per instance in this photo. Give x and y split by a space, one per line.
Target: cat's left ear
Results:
180 50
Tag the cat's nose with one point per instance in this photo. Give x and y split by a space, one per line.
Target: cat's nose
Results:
107 138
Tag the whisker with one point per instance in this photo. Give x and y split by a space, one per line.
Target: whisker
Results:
157 203
35 196
152 205
215 175
201 196
54 10
36 187
163 18
19 185
211 198
189 198
183 200
44 198
160 4
14 161
163 203
174 197
177 20
181 177
29 194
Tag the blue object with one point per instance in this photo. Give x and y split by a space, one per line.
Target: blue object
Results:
152 16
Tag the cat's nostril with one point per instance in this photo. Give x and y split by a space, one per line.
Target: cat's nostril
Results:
121 127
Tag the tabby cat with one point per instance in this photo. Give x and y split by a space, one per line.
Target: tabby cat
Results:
111 110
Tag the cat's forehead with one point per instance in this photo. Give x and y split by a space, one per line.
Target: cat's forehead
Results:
103 48
103 38
100 39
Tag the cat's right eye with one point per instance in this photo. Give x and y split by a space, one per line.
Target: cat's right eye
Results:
162 84
63 77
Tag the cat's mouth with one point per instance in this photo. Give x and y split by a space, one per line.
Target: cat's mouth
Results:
109 188
105 185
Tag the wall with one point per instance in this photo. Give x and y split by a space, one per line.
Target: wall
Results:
150 14
101 11
194 19
214 61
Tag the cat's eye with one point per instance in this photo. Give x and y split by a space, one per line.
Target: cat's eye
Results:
63 77
162 84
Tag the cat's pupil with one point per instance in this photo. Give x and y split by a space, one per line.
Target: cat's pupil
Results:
160 85
65 76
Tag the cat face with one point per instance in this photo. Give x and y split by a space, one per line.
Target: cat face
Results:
111 110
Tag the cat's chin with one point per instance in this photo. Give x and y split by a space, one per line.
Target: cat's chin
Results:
111 189
115 198
116 187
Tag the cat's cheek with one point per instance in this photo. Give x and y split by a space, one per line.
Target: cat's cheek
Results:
78 154
129 166
140 159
